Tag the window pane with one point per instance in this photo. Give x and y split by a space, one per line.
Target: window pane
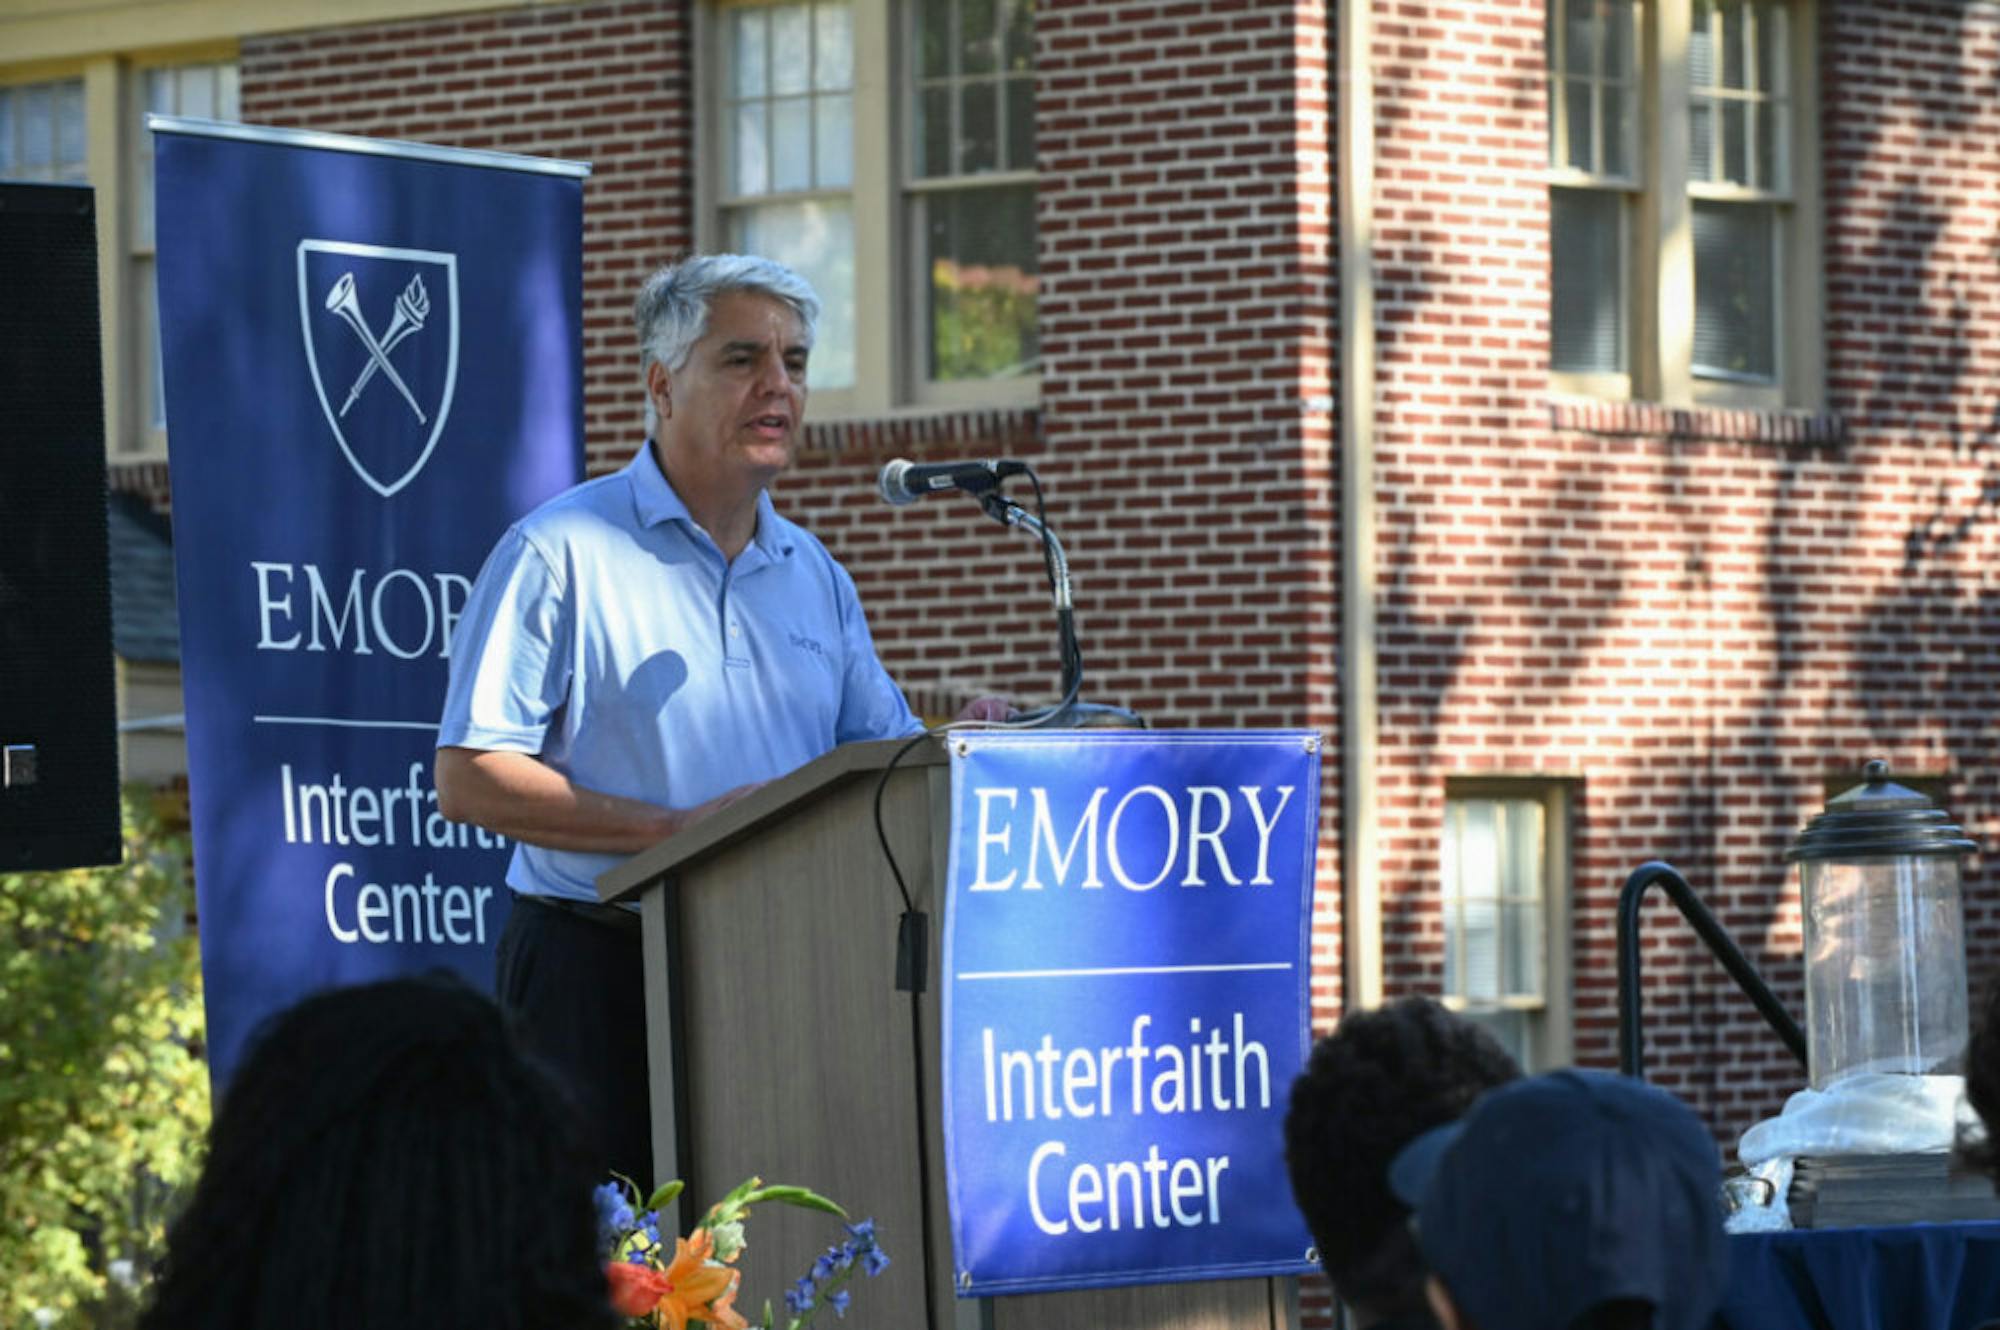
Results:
833 48
1524 949
934 39
934 132
833 142
1735 142
791 144
70 145
753 174
817 239
1580 31
7 130
1587 282
1735 44
1481 923
1701 139
1620 40
1020 94
1620 131
1524 873
746 43
1701 47
37 129
979 149
228 93
980 255
1576 107
1019 54
198 93
1735 296
791 49
979 41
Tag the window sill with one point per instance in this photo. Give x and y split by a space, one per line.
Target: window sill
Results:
1655 420
1000 429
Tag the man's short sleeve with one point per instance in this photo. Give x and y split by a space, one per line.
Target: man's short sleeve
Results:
871 705
509 653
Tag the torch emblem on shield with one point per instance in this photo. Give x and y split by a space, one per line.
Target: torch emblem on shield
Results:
381 340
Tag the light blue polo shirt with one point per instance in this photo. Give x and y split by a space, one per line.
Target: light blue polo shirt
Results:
607 636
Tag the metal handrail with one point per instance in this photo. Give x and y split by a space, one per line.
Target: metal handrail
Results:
1631 1039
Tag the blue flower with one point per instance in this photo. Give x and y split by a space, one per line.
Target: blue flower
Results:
799 1297
824 1267
843 1255
838 1301
874 1261
863 1234
614 1214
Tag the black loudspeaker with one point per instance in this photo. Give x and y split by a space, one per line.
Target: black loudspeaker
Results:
58 707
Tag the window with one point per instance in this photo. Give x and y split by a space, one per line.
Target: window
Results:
42 133
204 91
1504 866
909 205
1594 150
1682 205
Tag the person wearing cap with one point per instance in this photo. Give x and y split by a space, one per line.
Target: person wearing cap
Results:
1380 1080
1575 1200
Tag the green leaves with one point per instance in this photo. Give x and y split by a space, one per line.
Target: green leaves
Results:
103 1091
799 1196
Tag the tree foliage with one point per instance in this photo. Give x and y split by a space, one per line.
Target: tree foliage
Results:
103 1089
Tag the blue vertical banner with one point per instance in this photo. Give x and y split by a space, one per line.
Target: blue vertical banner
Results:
372 361
1126 968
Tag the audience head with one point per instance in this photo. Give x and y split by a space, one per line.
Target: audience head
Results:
1377 1082
386 1157
1578 1198
1982 1087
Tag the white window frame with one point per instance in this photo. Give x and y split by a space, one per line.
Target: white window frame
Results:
889 283
1661 294
146 437
1550 1035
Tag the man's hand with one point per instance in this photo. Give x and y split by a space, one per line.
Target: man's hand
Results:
985 708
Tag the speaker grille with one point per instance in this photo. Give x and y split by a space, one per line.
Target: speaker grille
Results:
57 684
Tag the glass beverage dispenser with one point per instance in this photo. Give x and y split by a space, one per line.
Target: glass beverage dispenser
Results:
1884 934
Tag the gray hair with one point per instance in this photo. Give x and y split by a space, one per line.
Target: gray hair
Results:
672 309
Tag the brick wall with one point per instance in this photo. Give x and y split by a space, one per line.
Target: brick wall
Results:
1695 618
1187 311
603 83
1699 618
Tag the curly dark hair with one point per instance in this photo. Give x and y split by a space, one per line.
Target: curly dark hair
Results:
1380 1080
1982 1087
387 1157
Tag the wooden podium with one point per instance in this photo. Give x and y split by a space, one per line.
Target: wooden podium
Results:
779 1045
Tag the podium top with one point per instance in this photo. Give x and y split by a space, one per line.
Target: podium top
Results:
755 810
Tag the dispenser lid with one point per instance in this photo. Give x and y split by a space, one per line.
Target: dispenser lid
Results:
1879 819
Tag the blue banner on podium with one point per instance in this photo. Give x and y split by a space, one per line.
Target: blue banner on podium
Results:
1126 973
372 360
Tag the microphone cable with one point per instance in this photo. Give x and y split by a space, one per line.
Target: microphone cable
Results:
913 928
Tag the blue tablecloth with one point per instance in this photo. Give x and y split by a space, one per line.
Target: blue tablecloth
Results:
1911 1277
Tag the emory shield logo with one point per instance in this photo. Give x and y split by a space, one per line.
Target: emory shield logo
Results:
381 336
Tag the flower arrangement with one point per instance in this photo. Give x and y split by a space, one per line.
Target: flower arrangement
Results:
697 1280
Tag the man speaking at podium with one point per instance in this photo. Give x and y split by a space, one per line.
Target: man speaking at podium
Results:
644 649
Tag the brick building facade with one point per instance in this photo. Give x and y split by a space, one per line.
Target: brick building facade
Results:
1677 619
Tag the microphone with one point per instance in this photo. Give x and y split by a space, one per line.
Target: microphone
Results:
903 481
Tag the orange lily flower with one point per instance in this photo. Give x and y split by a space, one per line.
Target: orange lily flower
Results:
689 1289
